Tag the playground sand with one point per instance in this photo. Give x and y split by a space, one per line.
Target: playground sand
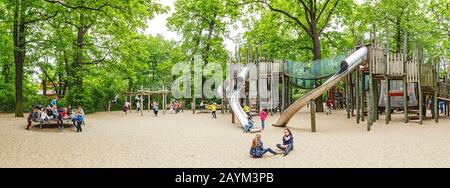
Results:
112 139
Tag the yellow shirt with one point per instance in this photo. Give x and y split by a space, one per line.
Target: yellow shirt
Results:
213 107
246 108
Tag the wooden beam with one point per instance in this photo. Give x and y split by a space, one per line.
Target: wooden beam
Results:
313 116
388 101
347 95
363 95
405 100
358 95
371 97
436 90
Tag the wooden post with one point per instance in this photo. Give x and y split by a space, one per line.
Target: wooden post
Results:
376 99
371 98
419 67
348 95
358 97
131 100
193 105
386 61
164 101
313 116
405 81
283 91
352 93
233 121
362 95
149 102
141 100
436 90
388 100
405 99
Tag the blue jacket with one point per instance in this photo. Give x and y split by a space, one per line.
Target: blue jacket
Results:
288 141
79 118
257 151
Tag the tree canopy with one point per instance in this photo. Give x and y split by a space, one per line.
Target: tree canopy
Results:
87 52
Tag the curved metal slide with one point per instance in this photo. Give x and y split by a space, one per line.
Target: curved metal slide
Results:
234 96
347 66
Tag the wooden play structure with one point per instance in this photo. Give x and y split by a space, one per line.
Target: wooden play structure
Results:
369 88
150 94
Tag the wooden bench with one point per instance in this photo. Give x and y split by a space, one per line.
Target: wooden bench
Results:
51 123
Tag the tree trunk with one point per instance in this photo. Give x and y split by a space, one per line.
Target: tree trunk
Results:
317 57
6 65
44 86
208 45
398 38
77 66
19 55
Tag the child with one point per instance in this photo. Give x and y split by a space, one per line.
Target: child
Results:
78 121
213 110
126 106
329 106
43 117
171 106
257 150
202 106
59 120
65 115
247 109
288 142
82 114
263 116
138 104
31 116
155 109
249 125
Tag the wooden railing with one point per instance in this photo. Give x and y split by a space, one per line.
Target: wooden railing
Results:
412 74
427 75
395 64
444 90
377 59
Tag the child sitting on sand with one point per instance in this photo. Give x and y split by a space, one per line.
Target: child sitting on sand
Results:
249 125
288 142
257 150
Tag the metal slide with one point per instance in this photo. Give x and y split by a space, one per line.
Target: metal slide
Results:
347 66
234 96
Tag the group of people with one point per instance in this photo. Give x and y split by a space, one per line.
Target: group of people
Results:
251 123
257 149
53 112
175 107
155 107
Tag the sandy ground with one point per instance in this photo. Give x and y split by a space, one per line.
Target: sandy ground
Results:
185 140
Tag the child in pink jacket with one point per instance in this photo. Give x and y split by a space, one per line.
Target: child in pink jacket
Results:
263 116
